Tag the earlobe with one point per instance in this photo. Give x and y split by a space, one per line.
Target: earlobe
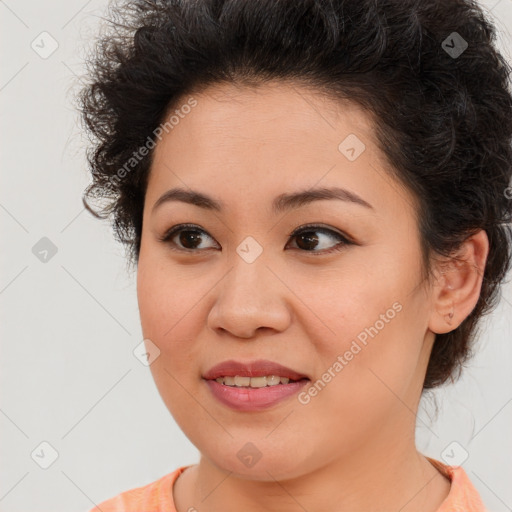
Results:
457 290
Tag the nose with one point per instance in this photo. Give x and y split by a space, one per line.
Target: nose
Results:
250 297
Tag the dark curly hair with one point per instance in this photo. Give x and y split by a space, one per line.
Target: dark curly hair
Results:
427 71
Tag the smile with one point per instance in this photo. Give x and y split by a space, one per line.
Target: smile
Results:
252 382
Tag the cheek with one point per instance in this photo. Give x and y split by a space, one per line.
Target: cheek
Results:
362 385
376 332
167 315
168 307
166 298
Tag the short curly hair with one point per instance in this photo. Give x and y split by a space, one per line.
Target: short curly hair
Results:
427 71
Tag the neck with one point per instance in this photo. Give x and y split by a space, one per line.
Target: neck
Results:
367 479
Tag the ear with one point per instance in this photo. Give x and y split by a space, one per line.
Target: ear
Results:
458 285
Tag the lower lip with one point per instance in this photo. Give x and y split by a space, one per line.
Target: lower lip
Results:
254 399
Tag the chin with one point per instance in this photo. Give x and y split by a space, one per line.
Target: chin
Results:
265 469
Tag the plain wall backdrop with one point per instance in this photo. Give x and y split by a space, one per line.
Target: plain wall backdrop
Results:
73 396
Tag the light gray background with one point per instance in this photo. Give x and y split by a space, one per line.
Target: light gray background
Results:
69 325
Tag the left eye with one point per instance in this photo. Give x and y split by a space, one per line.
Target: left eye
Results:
309 239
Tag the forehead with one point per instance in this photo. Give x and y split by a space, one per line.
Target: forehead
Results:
274 111
262 141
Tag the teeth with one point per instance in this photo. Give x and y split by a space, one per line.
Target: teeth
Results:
242 381
274 379
253 382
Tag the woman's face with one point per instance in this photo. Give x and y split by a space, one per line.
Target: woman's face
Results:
351 316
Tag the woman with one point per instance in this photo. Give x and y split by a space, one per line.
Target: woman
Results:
315 195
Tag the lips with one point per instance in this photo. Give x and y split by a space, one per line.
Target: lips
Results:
259 368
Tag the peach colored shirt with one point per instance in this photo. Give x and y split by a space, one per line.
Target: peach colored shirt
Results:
157 496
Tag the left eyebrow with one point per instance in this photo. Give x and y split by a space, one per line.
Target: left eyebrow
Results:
281 203
295 200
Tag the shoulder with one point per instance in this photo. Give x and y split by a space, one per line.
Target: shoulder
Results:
155 496
463 496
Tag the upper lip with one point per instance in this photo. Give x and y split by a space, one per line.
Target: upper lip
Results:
259 368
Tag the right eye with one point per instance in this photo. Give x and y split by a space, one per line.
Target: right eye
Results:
187 236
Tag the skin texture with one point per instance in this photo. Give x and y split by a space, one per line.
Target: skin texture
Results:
351 447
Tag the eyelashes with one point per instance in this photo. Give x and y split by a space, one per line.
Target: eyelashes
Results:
304 234
190 234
